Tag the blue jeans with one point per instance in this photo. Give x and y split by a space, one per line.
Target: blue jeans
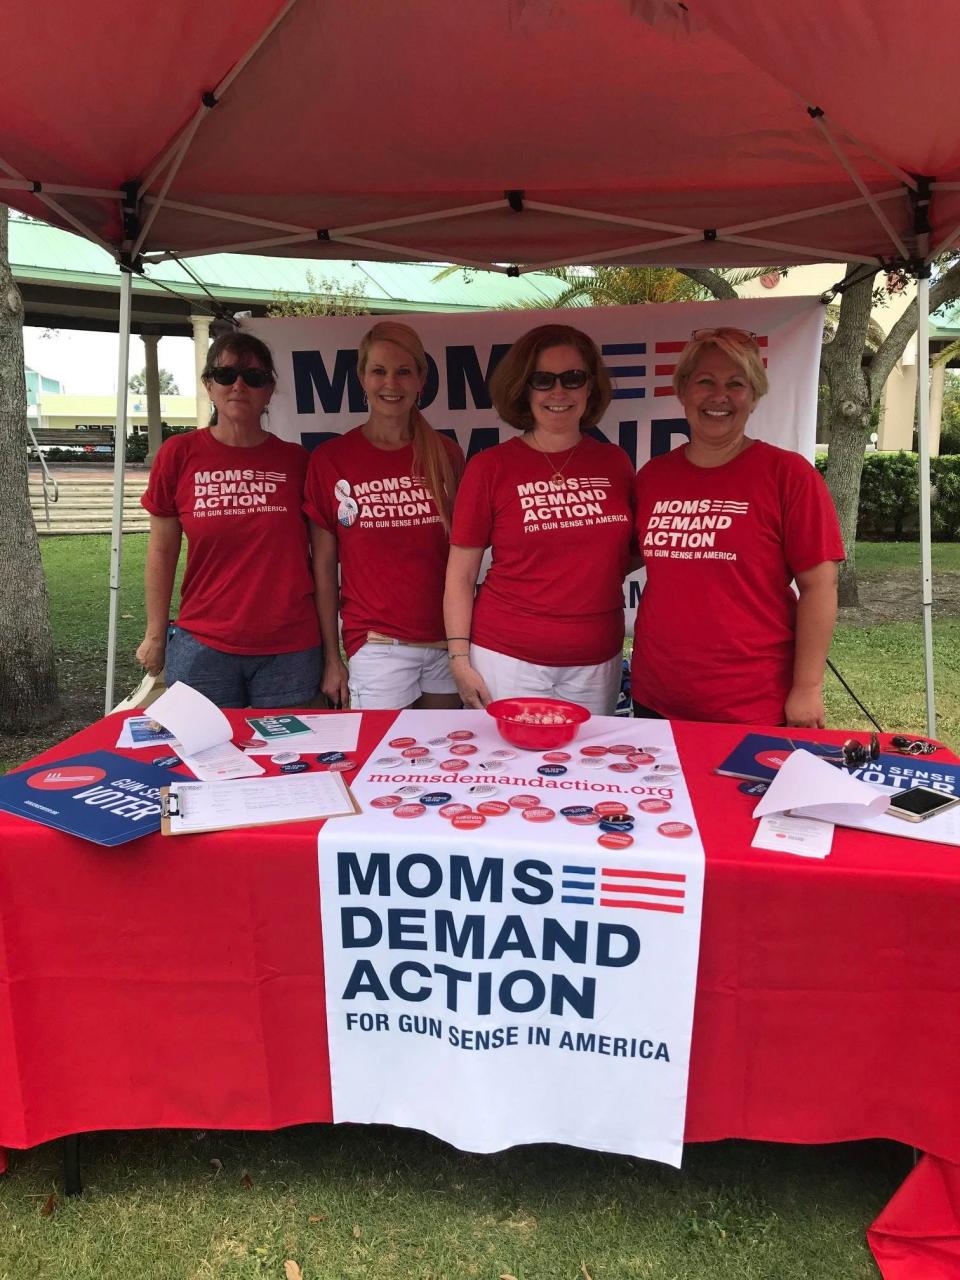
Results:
243 679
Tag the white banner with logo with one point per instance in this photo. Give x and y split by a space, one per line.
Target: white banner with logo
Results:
319 395
511 937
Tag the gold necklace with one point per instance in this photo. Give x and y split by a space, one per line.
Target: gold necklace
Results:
556 480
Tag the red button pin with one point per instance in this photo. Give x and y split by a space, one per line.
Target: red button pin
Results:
615 840
675 830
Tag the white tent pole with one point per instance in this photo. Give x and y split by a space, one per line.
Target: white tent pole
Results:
782 219
87 232
824 255
218 92
821 123
923 432
58 189
947 242
119 461
224 215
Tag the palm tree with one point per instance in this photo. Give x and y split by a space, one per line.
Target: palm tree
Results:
621 286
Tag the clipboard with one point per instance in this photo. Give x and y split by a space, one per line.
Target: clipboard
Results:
192 808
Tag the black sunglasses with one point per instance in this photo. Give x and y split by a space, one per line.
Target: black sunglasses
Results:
570 379
227 374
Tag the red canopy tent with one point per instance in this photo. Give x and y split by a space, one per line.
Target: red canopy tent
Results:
514 134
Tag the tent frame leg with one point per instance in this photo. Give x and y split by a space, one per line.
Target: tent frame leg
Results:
923 447
119 463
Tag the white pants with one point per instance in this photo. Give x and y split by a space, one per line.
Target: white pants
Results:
594 687
383 677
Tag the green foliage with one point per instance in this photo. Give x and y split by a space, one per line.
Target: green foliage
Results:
602 286
326 298
945 511
889 496
950 418
168 387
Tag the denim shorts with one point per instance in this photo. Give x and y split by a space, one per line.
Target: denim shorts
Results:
243 679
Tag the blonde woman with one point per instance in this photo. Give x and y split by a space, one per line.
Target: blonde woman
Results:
380 499
720 633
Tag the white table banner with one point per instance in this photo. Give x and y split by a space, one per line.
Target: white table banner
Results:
511 937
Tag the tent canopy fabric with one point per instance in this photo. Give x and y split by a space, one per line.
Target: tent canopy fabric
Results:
631 130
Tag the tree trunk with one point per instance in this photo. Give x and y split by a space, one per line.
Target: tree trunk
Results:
849 415
848 440
28 677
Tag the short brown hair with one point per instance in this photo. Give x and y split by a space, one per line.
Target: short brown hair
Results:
508 385
238 344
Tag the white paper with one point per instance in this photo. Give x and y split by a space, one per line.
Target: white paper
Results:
335 731
806 837
805 785
221 762
259 801
194 720
810 788
942 828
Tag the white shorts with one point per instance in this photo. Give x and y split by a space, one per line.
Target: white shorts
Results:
594 687
385 677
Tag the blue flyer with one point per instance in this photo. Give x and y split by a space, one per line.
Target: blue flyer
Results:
758 758
101 796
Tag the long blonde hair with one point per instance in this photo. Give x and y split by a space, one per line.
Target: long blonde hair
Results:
430 457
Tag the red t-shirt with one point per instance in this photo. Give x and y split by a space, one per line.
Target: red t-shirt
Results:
553 594
391 541
721 546
248 584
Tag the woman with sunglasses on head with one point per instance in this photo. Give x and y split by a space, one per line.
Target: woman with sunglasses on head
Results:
380 499
725 524
555 505
247 633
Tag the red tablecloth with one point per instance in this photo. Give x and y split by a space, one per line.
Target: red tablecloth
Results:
179 982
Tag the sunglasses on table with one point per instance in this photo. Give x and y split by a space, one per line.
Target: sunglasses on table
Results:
913 746
570 379
225 375
746 336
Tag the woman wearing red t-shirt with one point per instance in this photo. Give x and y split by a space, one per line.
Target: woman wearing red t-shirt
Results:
555 505
725 524
247 634
380 499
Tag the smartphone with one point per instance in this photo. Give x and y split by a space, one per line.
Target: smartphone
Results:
919 803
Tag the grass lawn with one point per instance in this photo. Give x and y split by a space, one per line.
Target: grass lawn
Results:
385 1204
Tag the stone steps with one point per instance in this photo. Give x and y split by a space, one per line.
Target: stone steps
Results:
85 502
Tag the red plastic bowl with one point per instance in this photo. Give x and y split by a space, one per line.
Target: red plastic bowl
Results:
536 737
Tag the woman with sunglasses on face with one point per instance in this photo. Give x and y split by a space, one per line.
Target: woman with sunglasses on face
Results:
725 524
556 507
380 499
247 633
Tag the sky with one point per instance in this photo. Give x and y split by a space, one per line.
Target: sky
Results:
86 363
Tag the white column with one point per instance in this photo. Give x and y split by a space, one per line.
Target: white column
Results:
201 340
151 364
